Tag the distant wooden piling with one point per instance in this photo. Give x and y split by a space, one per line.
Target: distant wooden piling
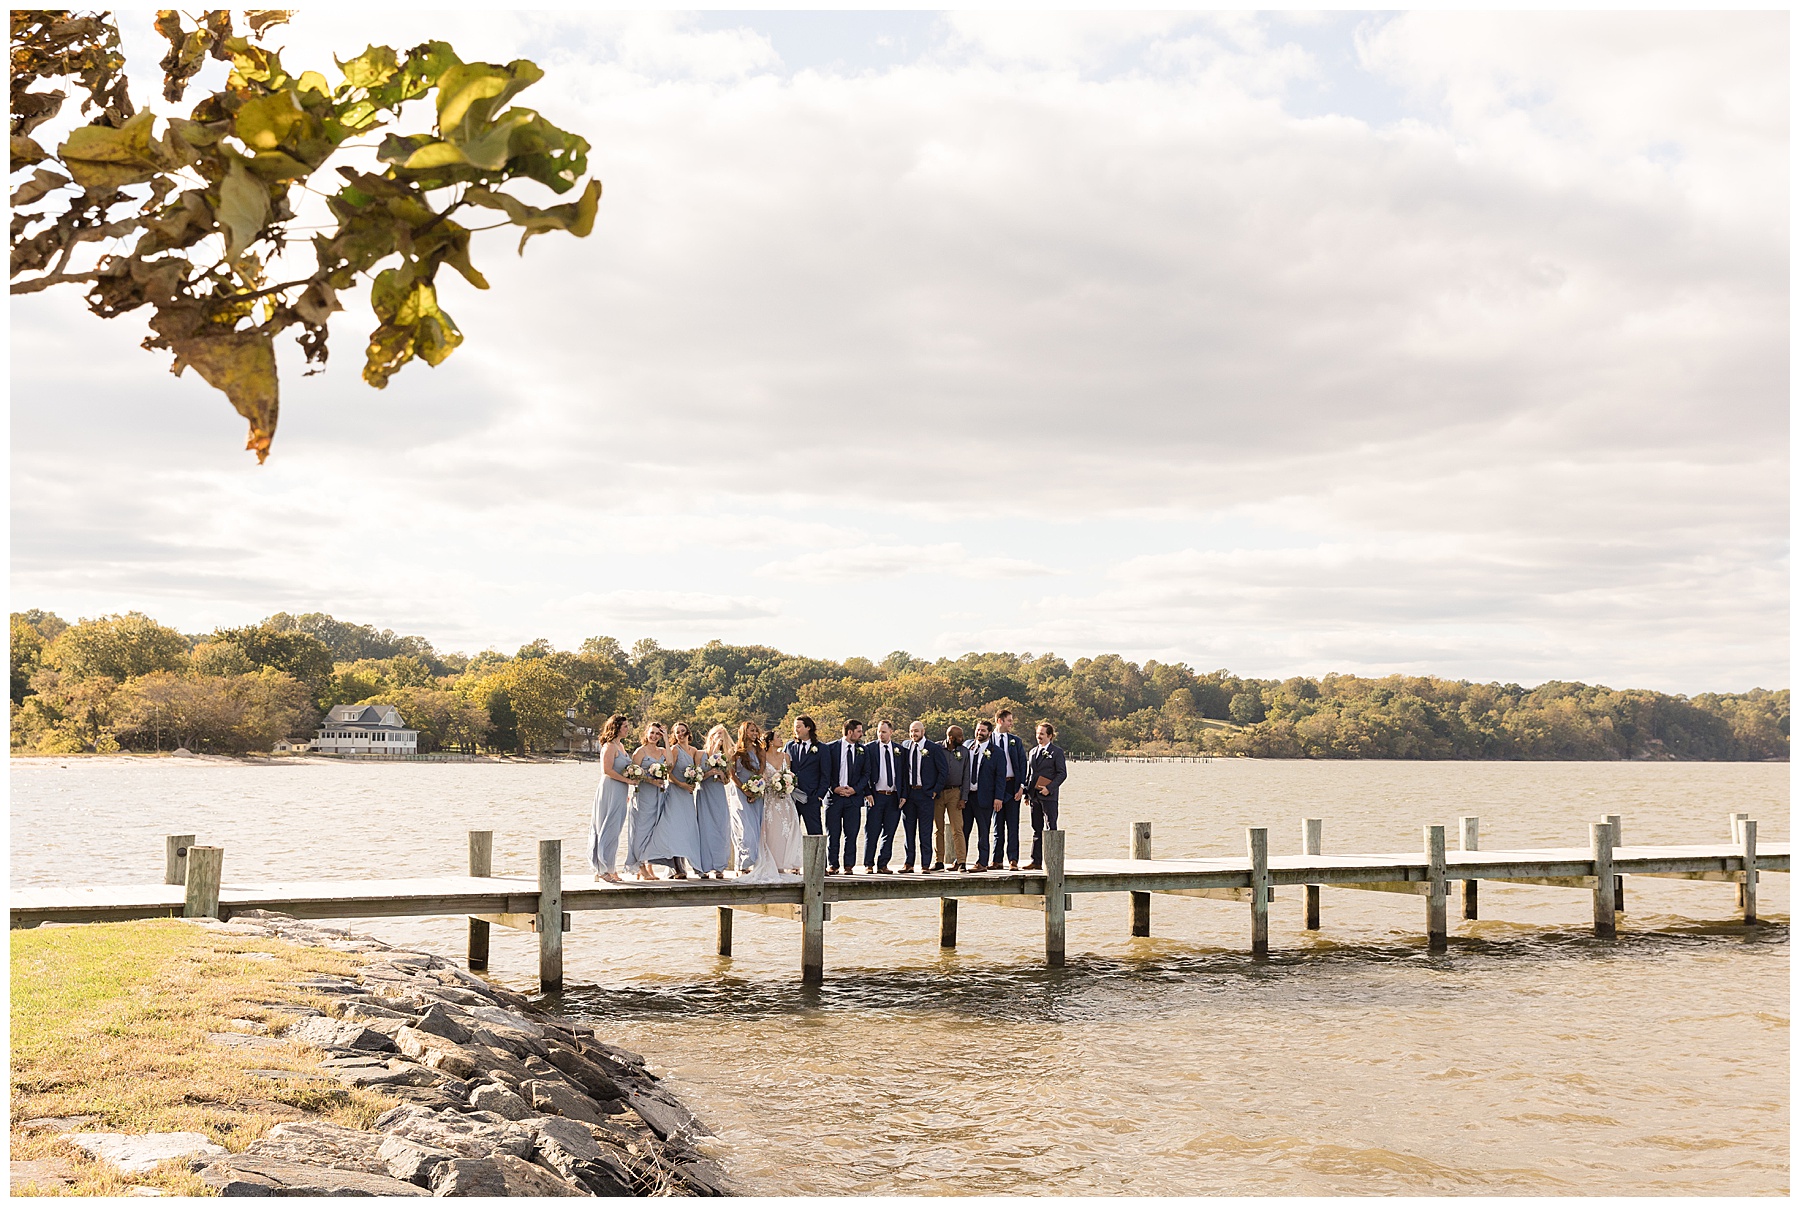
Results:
1617 822
1736 822
175 849
1747 829
812 910
1257 839
550 916
1601 843
1437 891
724 930
1140 902
481 863
947 922
205 866
1312 842
1471 841
1056 918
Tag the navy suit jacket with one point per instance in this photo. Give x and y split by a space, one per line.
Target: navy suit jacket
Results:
898 755
859 781
1011 740
1049 762
934 769
811 775
986 782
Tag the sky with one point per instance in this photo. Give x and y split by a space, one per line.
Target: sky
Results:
1431 343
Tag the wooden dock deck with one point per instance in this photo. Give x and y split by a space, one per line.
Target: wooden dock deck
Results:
193 887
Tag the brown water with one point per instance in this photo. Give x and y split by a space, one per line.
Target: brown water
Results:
1529 1059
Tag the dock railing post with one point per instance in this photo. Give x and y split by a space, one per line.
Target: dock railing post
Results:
1736 822
1140 902
725 930
1257 838
175 849
1437 892
1056 919
1471 841
947 922
1601 842
1312 842
1748 830
812 910
481 863
1617 822
205 866
550 916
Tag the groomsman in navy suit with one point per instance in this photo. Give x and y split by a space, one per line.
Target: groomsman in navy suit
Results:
983 792
1010 753
1046 767
848 765
812 778
927 769
887 783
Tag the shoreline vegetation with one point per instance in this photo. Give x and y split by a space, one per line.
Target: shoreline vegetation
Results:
265 1056
124 683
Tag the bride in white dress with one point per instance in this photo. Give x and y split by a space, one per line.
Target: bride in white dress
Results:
778 856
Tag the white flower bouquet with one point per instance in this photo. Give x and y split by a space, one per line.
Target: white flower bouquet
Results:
782 782
756 785
657 772
634 772
692 775
716 761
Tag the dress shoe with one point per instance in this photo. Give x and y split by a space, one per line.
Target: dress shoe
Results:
831 871
885 871
1012 867
937 867
1034 866
980 867
906 871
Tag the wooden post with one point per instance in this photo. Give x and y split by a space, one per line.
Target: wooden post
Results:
550 916
1601 843
946 921
725 930
1056 921
1748 888
1140 902
481 863
1736 822
1617 823
1312 842
175 849
812 910
204 867
1437 895
1257 838
1471 841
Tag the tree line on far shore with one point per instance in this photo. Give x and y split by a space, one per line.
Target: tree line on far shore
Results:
126 682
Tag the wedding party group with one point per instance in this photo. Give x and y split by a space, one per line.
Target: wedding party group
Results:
740 805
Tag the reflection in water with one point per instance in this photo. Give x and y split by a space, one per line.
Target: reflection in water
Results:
1528 1059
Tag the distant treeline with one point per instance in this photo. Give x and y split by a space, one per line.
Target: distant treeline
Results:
127 682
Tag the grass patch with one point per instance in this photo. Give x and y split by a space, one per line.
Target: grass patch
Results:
111 1020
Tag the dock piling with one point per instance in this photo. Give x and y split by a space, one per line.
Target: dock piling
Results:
1056 919
1747 890
1312 842
1601 840
1471 841
175 849
1437 891
1257 838
725 930
205 865
1617 822
812 910
1736 822
1140 902
550 916
947 922
481 863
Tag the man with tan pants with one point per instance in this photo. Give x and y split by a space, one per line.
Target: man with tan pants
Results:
948 816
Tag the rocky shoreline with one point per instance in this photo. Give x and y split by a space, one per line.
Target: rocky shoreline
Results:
497 1097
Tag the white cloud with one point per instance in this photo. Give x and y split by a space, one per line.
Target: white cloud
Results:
668 607
861 562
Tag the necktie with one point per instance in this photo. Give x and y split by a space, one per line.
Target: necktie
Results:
887 765
844 764
1006 749
917 747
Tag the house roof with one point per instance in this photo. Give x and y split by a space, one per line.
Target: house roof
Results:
377 716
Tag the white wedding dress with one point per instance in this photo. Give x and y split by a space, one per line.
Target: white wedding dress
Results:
780 844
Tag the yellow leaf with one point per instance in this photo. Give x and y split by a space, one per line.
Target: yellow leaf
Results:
241 364
243 208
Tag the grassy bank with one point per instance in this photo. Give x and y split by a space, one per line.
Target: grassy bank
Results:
111 1020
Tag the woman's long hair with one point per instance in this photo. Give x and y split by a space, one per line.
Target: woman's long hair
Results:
614 728
750 745
718 741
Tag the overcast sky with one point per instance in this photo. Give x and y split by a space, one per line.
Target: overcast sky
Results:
1439 343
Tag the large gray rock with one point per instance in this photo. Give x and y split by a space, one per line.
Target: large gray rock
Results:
237 1039
245 1175
363 1008
438 1021
395 1073
571 1150
554 1098
469 1177
141 1154
411 1161
327 1145
593 1079
525 1180
495 1097
666 1117
461 1135
705 1177
338 1033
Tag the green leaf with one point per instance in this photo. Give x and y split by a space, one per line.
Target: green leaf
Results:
370 69
243 208
267 122
469 92
490 146
434 155
102 158
576 217
411 325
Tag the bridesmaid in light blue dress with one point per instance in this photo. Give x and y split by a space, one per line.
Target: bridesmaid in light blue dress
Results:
647 797
611 801
675 840
715 808
746 765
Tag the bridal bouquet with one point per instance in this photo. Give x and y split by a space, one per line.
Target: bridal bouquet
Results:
691 775
782 782
658 772
716 761
634 772
756 785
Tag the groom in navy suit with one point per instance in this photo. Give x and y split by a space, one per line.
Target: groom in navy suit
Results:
1009 754
983 790
812 779
887 786
847 763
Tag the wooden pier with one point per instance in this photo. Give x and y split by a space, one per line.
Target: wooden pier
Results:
194 887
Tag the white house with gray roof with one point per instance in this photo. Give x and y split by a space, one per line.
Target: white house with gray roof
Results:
365 729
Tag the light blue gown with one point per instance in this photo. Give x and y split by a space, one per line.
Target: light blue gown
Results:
750 813
676 834
611 802
715 825
645 811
